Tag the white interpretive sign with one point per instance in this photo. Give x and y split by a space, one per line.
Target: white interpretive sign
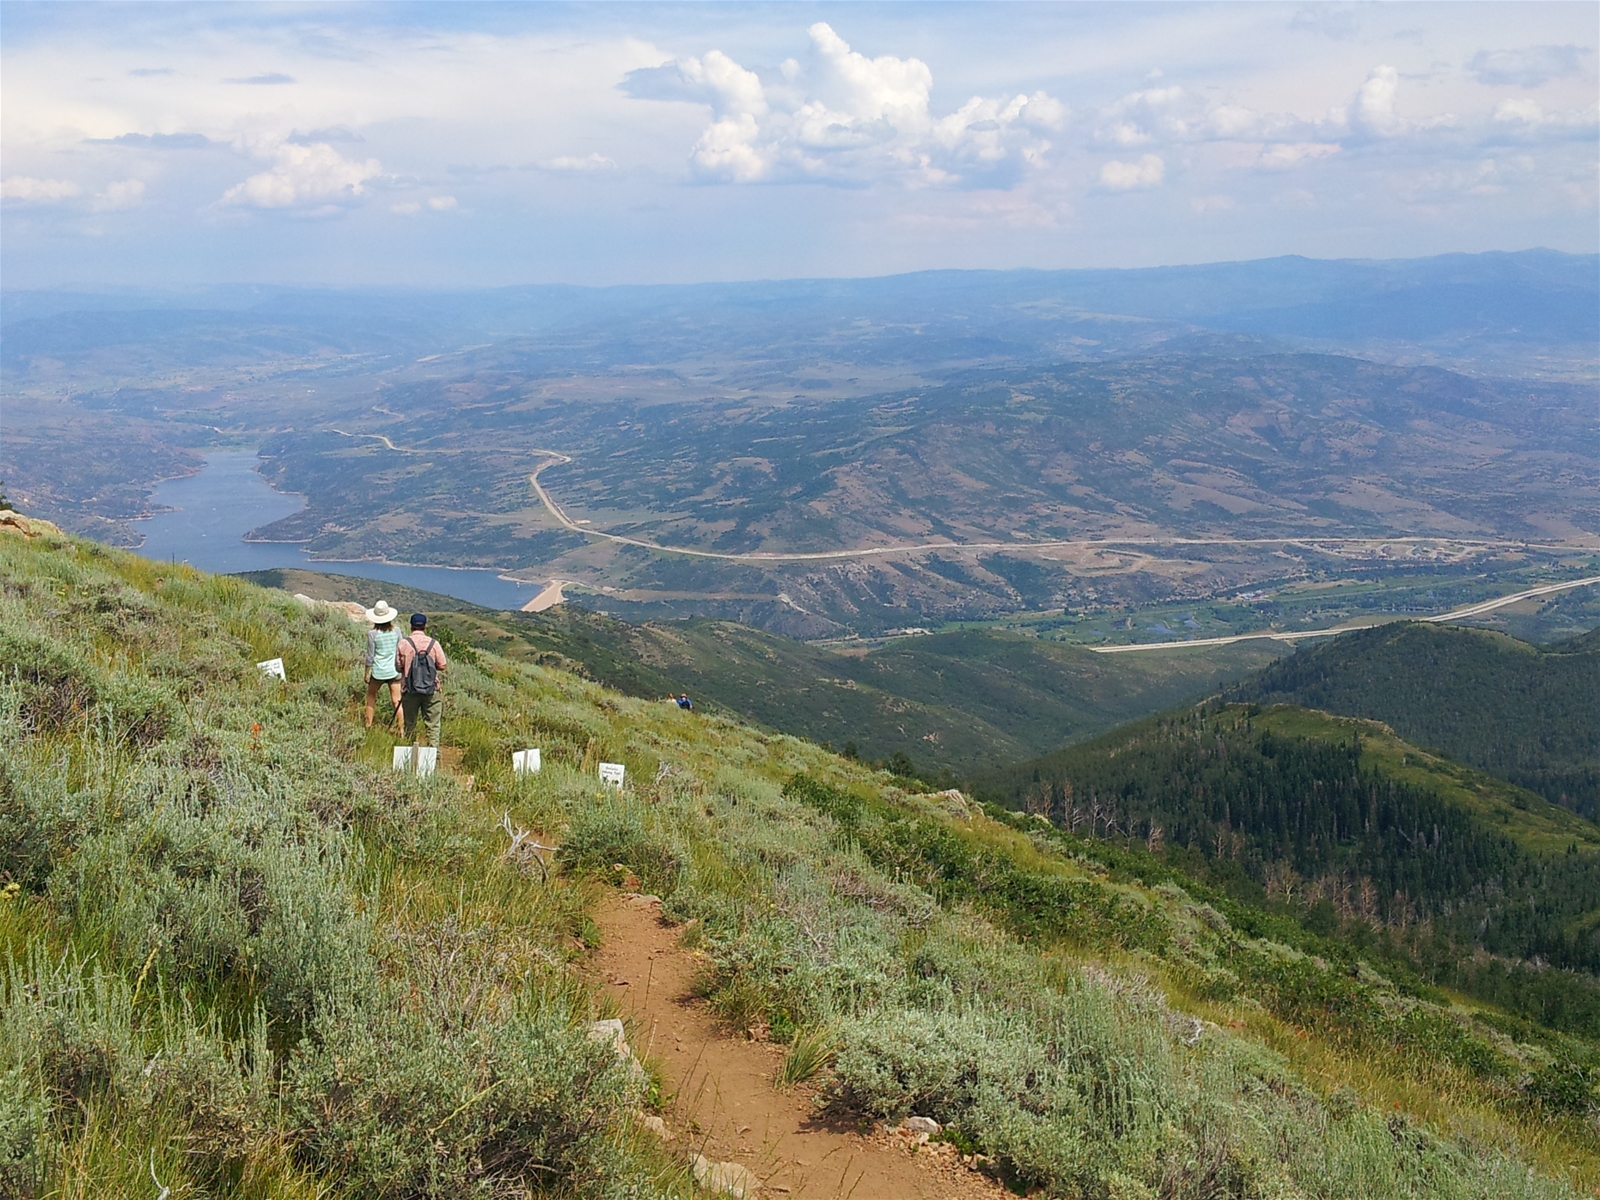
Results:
612 773
525 762
421 759
273 667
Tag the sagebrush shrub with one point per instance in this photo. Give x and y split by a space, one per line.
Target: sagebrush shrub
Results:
602 835
24 1112
937 1064
57 683
390 1103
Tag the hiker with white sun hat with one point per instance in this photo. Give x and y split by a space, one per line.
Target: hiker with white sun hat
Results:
382 639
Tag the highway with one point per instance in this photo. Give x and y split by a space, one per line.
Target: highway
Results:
1456 614
556 458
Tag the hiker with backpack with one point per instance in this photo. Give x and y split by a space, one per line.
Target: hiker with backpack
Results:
421 664
382 639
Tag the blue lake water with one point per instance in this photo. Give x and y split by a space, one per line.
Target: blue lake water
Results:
212 511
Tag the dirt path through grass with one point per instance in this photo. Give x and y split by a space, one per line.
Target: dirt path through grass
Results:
726 1107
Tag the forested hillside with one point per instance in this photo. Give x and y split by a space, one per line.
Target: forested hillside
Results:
246 959
1461 876
1528 714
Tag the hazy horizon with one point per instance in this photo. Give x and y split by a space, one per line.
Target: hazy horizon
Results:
137 289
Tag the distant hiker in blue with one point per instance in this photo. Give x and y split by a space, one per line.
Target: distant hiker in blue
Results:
422 663
382 639
684 702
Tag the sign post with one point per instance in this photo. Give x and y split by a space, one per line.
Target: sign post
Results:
525 762
423 762
274 668
612 773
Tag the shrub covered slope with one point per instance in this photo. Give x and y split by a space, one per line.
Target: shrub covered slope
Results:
244 960
960 701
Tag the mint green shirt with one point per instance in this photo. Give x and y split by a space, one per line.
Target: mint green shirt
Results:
380 652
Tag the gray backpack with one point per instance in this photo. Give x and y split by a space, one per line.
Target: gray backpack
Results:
422 677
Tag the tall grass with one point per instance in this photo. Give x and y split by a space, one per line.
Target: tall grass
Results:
244 959
226 973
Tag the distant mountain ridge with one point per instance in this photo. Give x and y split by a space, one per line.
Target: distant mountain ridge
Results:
1532 296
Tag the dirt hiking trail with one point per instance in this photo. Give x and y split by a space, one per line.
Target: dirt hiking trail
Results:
726 1106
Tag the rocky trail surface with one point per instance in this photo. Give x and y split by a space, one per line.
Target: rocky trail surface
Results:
724 1105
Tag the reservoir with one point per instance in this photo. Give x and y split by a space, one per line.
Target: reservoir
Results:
212 511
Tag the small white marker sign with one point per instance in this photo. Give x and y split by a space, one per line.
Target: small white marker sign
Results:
525 762
273 667
612 773
423 761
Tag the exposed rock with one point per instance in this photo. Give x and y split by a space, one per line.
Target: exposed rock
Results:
725 1178
925 1125
641 900
28 527
349 608
656 1126
612 1031
954 802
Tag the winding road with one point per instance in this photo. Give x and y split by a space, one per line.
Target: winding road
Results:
552 594
1457 614
556 459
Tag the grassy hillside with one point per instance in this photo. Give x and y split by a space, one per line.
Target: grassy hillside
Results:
1455 874
246 960
1526 713
962 702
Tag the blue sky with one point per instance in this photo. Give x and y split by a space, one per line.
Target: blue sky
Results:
466 144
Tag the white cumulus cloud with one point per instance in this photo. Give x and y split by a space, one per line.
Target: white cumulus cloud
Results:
407 208
1173 116
314 174
842 117
1373 110
1292 154
38 191
1128 176
124 193
590 162
1526 112
1525 120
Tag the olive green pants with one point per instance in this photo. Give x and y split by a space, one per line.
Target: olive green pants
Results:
426 710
